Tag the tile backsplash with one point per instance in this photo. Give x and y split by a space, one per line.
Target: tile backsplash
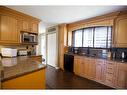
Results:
21 47
99 52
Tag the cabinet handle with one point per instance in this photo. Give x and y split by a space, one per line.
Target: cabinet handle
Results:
109 68
109 73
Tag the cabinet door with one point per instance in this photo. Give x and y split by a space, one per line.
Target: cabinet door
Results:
100 70
121 76
121 32
34 27
78 66
86 67
89 68
25 25
9 29
92 69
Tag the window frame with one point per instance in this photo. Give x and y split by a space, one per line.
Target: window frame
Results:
108 27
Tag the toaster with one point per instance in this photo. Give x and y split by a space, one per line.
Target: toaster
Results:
8 52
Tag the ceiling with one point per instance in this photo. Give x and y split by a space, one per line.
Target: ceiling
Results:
52 15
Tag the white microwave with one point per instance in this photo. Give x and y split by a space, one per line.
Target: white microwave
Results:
29 38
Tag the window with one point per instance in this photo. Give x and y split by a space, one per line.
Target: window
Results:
78 38
109 37
88 37
98 37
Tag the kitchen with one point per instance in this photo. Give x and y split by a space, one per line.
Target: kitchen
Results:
94 48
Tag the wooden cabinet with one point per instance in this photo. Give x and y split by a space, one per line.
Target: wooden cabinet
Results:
110 73
84 67
29 26
34 27
9 29
34 80
25 25
79 66
120 38
90 68
12 23
100 68
121 76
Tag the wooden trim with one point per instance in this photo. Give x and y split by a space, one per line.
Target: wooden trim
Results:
104 19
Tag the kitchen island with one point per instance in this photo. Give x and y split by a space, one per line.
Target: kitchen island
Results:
22 73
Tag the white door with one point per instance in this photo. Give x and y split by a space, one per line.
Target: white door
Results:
51 50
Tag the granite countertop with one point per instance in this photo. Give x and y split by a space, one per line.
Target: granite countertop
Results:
14 67
114 60
1 68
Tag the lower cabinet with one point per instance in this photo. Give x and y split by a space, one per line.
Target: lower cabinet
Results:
79 66
121 75
84 67
100 68
90 68
34 80
110 73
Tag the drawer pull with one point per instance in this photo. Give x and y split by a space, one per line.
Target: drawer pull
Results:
109 68
109 73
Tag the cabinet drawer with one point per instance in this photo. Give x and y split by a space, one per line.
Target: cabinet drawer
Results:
109 75
110 70
109 81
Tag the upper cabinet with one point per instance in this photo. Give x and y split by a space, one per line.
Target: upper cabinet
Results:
34 27
9 29
12 23
120 36
30 26
25 25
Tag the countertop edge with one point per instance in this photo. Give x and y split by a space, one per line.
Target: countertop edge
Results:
117 61
19 75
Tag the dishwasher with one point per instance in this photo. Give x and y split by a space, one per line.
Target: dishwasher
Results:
68 62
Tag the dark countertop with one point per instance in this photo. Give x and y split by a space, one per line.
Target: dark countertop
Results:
114 60
15 67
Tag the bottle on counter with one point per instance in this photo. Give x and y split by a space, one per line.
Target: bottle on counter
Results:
109 55
114 55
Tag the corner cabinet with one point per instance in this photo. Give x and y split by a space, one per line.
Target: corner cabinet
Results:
120 31
9 29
